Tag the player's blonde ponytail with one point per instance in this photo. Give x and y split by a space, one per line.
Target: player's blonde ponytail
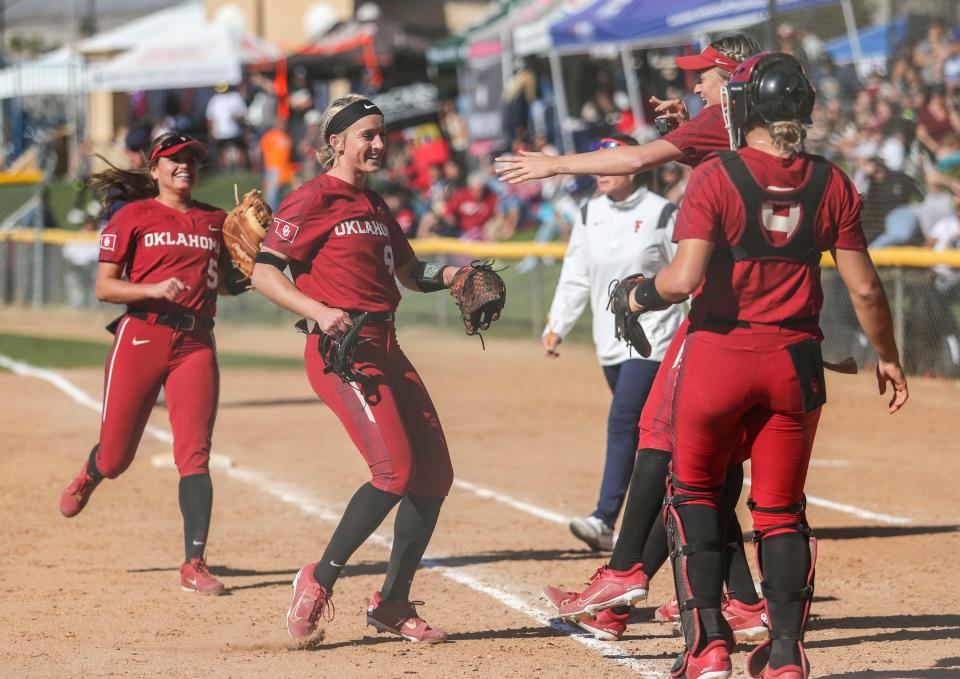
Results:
787 135
325 154
736 46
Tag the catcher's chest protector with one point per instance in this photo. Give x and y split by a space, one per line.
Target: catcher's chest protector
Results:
790 212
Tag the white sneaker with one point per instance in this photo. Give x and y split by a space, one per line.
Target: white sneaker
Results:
593 531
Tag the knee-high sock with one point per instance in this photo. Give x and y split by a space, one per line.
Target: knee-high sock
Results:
736 566
642 510
786 565
196 504
412 530
367 509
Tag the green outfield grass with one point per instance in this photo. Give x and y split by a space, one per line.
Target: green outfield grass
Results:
528 300
47 352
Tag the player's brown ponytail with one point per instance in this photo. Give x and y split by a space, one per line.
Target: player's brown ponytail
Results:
114 185
325 154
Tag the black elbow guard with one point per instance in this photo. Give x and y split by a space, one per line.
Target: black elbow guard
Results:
272 260
429 277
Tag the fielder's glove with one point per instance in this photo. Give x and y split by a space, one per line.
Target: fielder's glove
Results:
627 323
245 228
338 354
480 293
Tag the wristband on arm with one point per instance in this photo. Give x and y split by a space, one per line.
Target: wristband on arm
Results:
646 295
429 277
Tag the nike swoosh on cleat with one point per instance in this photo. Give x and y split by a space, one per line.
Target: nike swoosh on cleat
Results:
410 624
370 106
590 598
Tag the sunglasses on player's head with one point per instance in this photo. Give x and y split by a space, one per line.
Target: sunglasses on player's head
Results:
606 143
175 140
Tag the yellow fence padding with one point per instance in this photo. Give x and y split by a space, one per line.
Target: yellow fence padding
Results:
900 256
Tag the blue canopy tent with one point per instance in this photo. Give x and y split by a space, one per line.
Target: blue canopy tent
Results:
876 42
639 22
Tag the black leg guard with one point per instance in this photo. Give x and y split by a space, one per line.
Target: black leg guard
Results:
787 579
694 536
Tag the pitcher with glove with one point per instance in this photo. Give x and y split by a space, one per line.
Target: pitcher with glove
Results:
346 253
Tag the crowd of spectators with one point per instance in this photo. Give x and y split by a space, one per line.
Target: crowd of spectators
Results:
895 131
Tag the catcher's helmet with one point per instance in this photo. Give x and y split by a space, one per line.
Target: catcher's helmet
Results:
770 86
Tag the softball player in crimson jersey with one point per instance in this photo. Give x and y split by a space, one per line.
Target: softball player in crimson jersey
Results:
161 255
641 547
346 252
750 234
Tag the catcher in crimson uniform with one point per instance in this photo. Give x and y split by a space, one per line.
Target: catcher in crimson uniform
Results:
162 256
751 232
346 252
641 547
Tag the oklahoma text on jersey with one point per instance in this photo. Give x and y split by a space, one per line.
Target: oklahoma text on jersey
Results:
190 240
350 227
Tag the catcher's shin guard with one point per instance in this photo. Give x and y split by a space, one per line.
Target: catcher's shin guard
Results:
787 609
700 618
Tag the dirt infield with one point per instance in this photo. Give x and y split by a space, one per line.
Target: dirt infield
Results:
98 595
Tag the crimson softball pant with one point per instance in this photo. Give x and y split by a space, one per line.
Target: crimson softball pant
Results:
728 384
391 419
655 417
655 421
145 357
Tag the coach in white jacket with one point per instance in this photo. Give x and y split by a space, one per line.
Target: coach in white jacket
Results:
625 229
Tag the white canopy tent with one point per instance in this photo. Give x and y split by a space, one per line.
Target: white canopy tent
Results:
196 55
173 48
162 23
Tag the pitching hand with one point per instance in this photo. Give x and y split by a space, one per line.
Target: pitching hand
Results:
333 322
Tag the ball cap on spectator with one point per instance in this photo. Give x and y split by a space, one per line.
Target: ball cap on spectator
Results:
175 142
708 58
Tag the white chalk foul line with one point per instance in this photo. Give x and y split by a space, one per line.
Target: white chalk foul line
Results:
306 503
557 518
854 511
533 510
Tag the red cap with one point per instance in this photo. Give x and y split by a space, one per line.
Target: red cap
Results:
177 142
708 58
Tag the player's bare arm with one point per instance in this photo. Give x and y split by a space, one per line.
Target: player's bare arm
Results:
680 278
873 312
624 160
110 287
270 280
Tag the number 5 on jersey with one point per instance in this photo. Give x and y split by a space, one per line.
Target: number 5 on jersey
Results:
213 276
